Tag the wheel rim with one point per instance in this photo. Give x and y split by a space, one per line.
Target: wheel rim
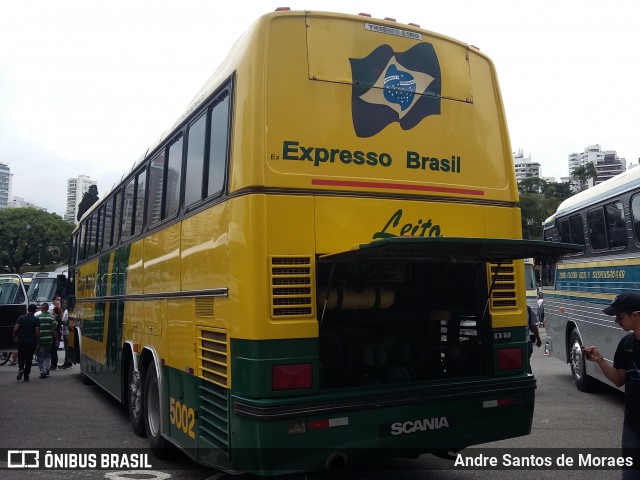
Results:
577 360
135 395
153 407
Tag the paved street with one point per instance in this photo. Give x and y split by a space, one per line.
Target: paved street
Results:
61 412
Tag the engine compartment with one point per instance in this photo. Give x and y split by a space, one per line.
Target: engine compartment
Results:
397 322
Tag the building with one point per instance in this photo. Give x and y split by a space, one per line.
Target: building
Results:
607 163
525 168
609 166
76 188
19 202
5 185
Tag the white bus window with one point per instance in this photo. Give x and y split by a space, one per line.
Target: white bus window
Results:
577 229
530 277
616 225
635 216
597 235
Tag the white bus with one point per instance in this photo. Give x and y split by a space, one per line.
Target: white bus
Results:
45 286
605 220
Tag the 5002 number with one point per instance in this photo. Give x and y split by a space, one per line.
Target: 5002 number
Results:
183 417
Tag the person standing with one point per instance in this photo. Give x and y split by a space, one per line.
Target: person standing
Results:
625 371
57 315
534 334
48 335
69 339
26 333
541 309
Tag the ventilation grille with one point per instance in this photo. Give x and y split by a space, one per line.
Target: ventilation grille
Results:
204 307
213 356
291 287
214 416
503 294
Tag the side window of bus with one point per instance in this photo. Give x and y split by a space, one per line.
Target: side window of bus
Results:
141 183
174 175
635 216
91 236
100 239
117 205
194 170
108 224
83 239
616 226
577 229
563 231
156 184
597 235
127 214
218 147
571 230
76 246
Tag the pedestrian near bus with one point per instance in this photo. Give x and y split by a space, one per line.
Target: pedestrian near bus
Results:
625 371
541 309
68 342
48 336
57 315
26 332
533 333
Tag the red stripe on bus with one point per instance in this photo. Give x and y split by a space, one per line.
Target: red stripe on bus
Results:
395 186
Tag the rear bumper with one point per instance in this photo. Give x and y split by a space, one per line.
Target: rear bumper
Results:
382 400
273 437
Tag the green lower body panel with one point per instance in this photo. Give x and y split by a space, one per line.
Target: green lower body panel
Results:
276 437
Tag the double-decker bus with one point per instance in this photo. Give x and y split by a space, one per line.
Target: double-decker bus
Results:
320 262
605 220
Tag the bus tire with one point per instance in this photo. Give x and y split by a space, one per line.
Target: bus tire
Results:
152 413
584 382
135 401
85 379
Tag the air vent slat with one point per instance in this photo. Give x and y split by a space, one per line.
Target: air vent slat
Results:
291 287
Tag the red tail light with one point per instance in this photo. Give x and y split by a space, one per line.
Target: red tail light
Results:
291 377
509 358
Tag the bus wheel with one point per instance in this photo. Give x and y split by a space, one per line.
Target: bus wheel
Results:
584 382
152 414
134 401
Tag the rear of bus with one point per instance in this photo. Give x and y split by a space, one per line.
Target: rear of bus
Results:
371 175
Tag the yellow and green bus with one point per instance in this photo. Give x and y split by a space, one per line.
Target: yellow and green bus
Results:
319 263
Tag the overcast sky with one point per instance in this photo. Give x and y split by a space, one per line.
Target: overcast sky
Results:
86 86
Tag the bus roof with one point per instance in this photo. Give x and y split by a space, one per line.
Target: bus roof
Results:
470 87
607 189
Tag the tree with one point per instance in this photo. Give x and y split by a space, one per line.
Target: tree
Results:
583 173
532 185
533 214
89 198
28 235
539 199
561 190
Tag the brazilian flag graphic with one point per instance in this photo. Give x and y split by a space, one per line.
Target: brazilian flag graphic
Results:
394 87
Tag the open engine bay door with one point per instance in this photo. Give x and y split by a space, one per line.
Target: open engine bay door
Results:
452 249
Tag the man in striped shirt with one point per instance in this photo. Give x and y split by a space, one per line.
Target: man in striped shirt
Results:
48 335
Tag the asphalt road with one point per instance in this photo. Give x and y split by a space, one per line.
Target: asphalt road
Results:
61 412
